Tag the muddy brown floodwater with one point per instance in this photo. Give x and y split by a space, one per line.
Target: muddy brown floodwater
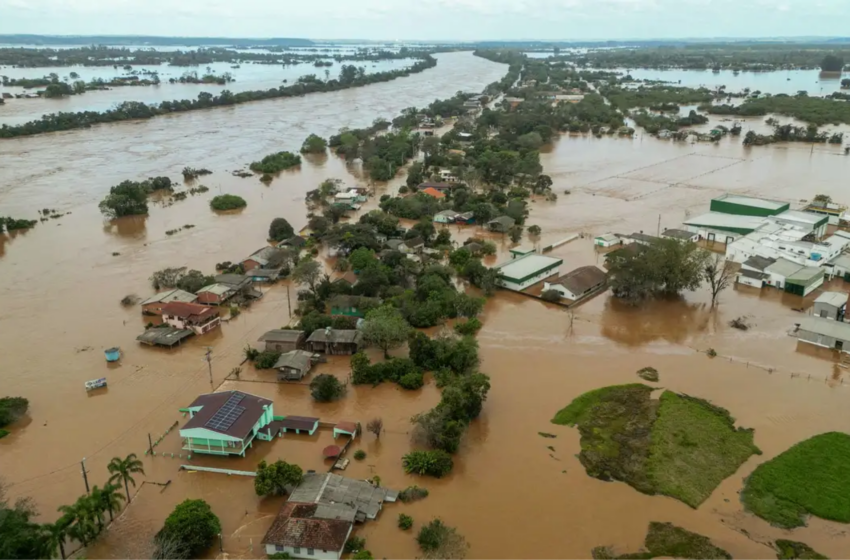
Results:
508 494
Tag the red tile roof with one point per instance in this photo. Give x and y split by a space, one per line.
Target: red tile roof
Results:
192 311
431 191
295 526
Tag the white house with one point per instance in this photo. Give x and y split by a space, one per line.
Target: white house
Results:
607 240
779 271
578 283
309 530
445 217
523 272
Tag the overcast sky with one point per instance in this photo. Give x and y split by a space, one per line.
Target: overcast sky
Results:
430 19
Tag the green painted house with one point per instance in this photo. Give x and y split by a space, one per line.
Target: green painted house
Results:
225 423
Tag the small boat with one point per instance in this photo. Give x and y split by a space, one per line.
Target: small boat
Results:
113 354
95 384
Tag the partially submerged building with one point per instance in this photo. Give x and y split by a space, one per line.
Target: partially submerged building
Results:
215 294
680 235
164 336
303 531
578 283
523 272
607 240
825 333
356 498
282 340
831 305
199 318
153 305
308 530
225 423
747 205
294 365
335 341
501 224
352 306
794 278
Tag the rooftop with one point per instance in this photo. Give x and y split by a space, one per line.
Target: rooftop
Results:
527 266
415 242
826 327
217 289
164 336
237 280
835 299
759 263
341 301
171 295
296 359
646 238
805 274
842 260
582 279
297 526
265 272
334 489
437 186
431 191
752 274
799 216
608 237
751 201
193 311
447 213
338 336
281 335
783 267
678 234
721 220
294 241
232 413
505 221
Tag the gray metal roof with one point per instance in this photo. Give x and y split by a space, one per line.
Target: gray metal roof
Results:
281 335
783 267
296 359
164 336
805 274
336 336
826 327
332 489
759 263
171 295
836 299
678 234
752 274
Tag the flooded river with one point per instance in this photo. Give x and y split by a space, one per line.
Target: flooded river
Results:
508 494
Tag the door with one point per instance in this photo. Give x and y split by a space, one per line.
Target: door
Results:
711 237
839 345
729 239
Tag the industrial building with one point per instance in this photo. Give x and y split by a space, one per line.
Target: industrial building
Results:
525 271
825 333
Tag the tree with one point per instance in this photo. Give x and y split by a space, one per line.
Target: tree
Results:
542 184
832 63
224 202
11 409
123 470
280 230
272 480
20 537
307 272
376 426
386 328
193 524
665 267
438 540
436 463
415 174
515 233
111 499
822 199
128 198
551 295
720 274
534 231
80 519
314 144
326 388
194 280
167 277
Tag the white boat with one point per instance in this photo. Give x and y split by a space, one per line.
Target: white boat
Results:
95 383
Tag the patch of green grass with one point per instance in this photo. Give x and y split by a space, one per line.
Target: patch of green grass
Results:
579 410
665 539
793 550
614 423
695 446
679 446
3 433
810 478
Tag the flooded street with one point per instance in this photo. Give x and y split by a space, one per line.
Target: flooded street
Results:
508 495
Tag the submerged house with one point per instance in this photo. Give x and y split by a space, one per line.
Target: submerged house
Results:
294 365
523 272
501 224
831 305
578 283
335 341
352 306
225 423
825 333
198 318
258 259
282 340
153 305
308 530
215 294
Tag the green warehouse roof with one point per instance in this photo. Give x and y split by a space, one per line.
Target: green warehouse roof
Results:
742 200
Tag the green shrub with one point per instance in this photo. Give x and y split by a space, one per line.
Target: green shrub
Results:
266 360
11 409
436 463
468 328
648 373
438 540
280 556
193 525
3 433
354 544
794 550
394 369
227 202
363 555
412 381
359 455
273 163
405 522
326 388
412 494
551 295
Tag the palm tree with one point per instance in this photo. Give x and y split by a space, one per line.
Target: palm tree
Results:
112 498
94 504
123 469
79 520
55 534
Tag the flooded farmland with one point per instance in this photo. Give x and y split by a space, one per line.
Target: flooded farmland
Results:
508 495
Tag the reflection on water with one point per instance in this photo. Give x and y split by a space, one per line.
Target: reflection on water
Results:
132 227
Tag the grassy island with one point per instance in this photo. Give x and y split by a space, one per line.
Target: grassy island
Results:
227 202
679 446
667 540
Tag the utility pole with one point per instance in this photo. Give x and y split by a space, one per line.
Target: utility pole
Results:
658 230
288 302
85 476
150 444
208 357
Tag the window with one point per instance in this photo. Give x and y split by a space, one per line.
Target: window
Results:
297 550
310 552
279 548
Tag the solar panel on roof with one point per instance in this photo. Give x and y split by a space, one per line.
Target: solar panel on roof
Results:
227 414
